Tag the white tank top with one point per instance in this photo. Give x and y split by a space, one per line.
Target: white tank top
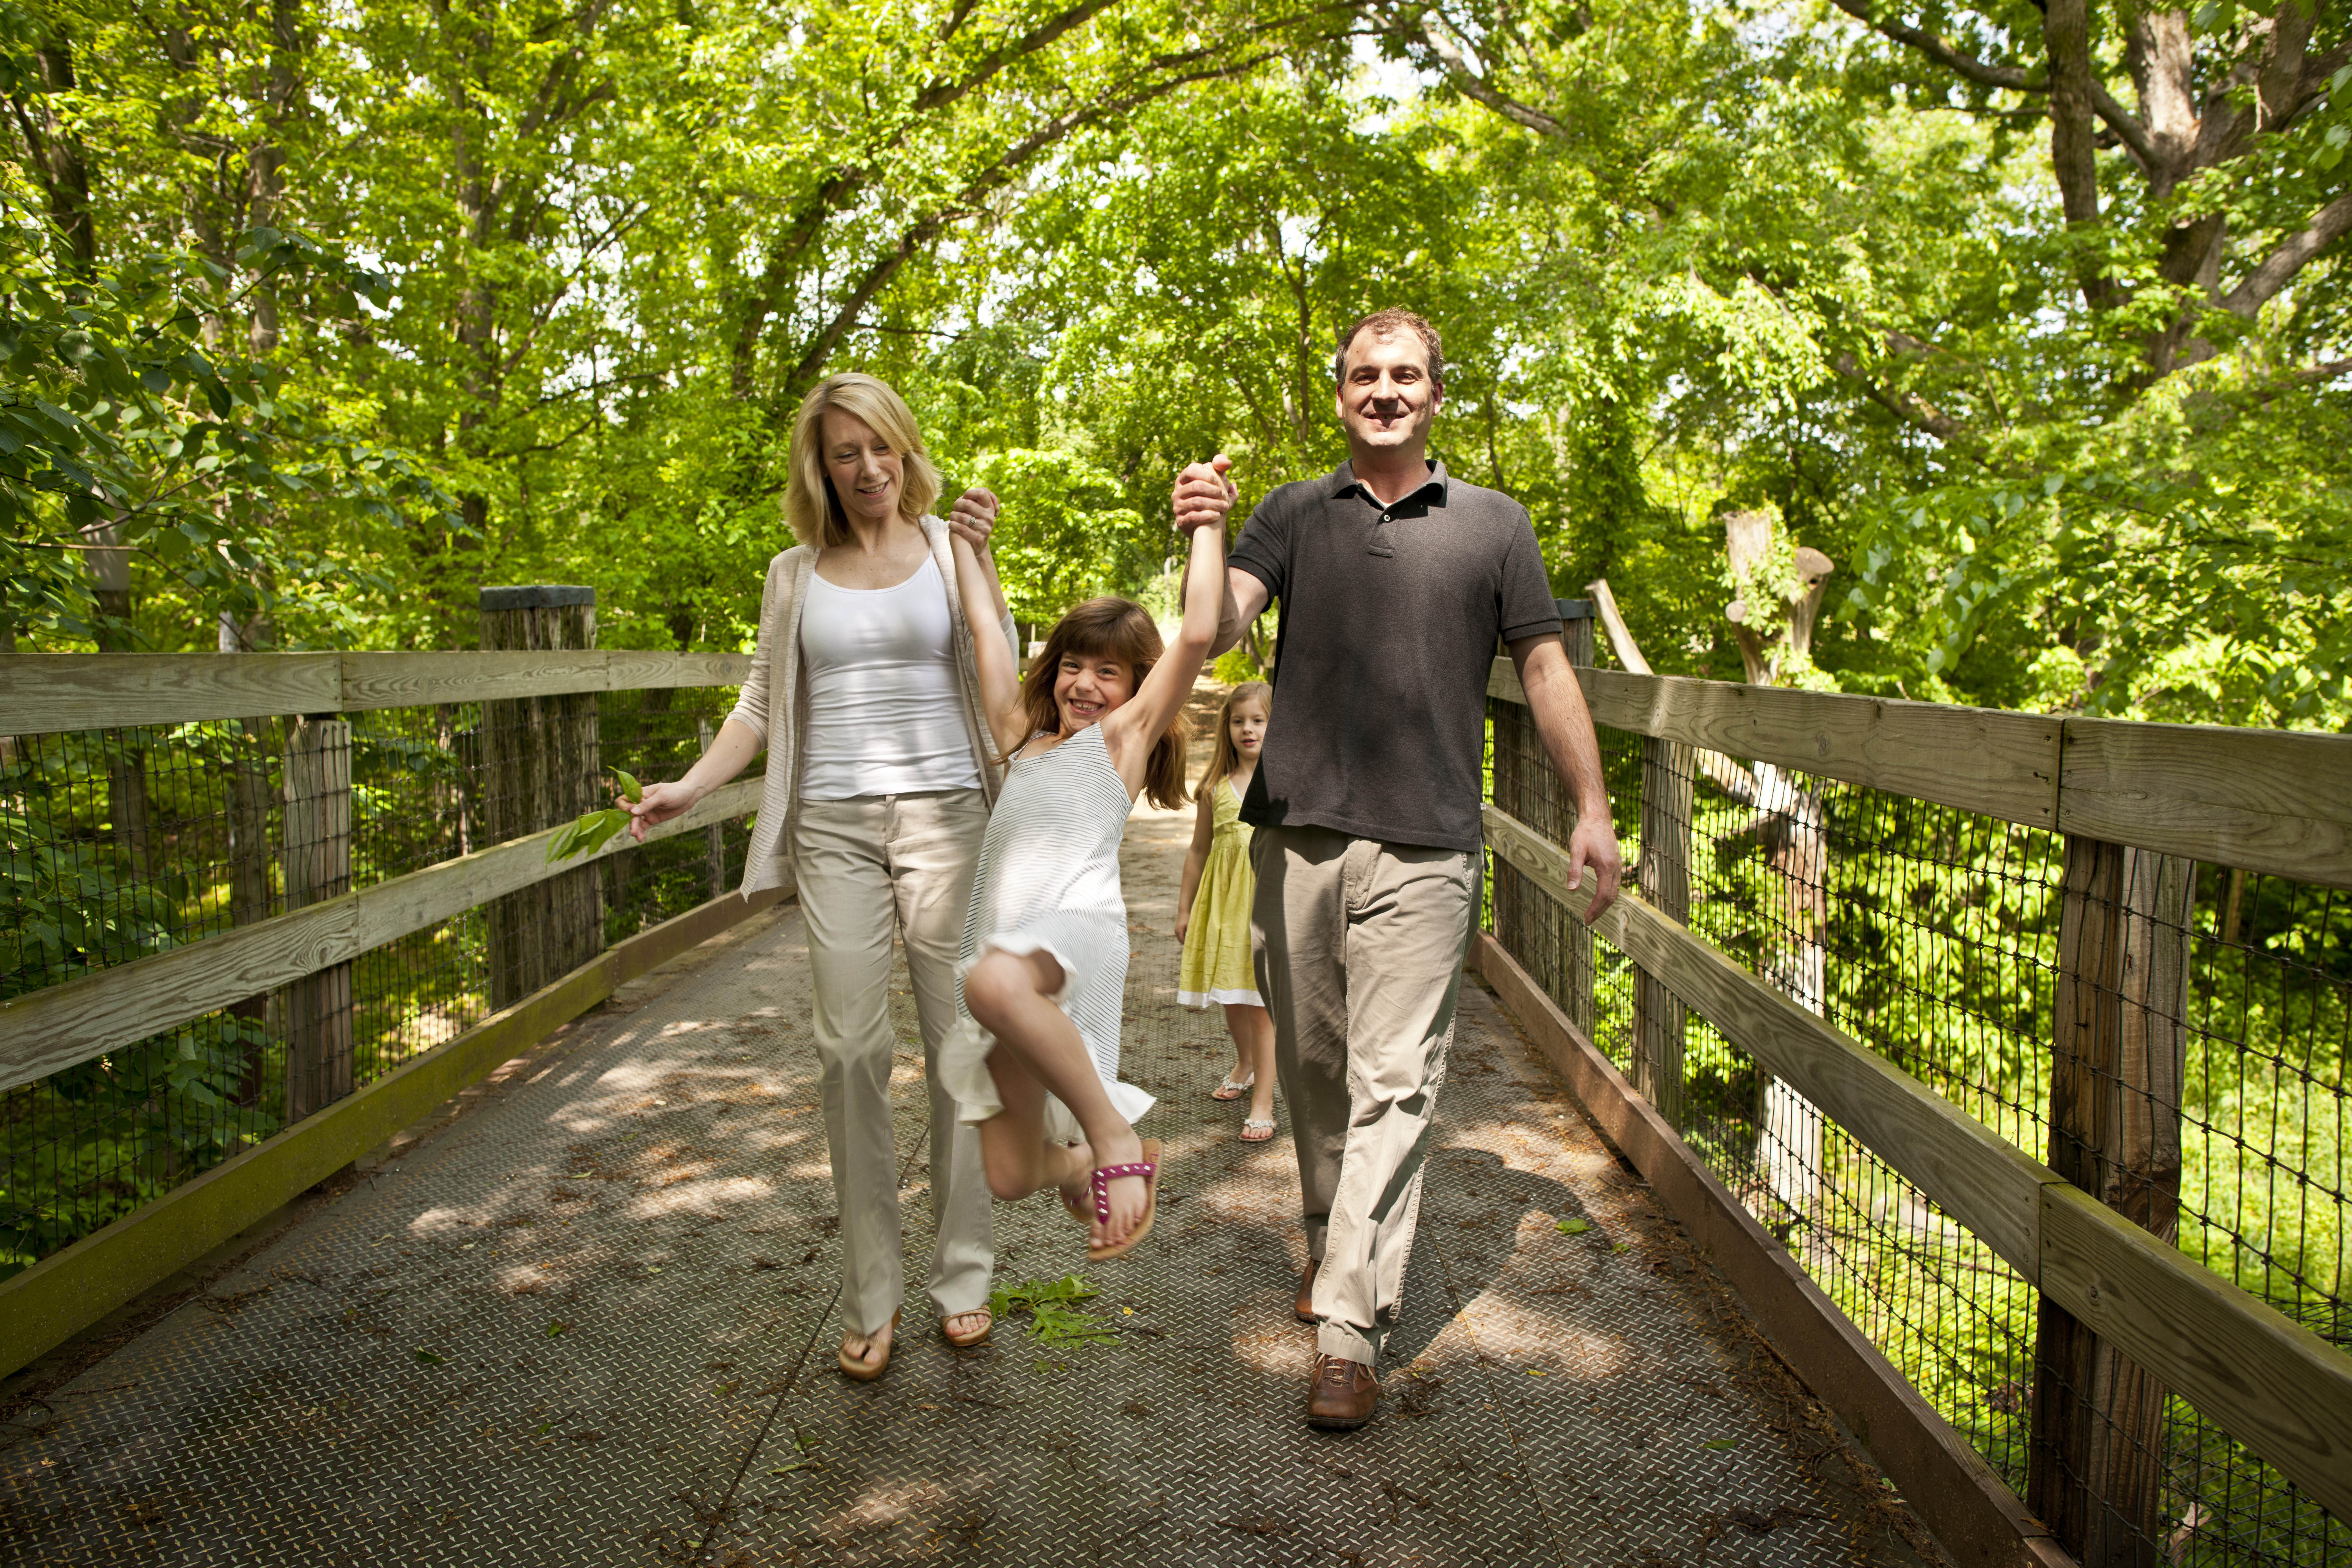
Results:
884 714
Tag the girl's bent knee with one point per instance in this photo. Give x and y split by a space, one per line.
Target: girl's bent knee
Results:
995 984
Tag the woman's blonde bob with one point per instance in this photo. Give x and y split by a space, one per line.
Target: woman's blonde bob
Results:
810 505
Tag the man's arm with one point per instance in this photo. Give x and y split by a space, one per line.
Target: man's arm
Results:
1557 701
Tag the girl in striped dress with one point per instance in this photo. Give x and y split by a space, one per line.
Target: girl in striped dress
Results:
1035 1060
1213 908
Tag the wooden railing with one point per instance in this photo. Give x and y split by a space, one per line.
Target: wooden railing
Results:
58 1026
2260 800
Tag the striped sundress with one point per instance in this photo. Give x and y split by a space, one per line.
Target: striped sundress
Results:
1048 882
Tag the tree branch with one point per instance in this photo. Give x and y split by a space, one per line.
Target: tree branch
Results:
2278 268
1006 165
1909 407
2110 110
1472 86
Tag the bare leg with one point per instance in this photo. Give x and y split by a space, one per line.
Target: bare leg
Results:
1255 1050
1038 1052
1253 1032
1013 1148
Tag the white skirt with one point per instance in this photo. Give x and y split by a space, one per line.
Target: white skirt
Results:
963 1059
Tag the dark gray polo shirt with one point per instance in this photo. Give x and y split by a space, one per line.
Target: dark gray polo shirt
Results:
1388 621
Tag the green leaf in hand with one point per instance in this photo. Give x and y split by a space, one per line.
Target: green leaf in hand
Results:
588 835
631 791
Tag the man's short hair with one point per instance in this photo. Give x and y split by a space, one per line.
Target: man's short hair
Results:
1388 323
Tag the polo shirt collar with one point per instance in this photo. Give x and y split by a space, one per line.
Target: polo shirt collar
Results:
1343 482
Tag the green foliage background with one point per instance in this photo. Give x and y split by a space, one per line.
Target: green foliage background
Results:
539 304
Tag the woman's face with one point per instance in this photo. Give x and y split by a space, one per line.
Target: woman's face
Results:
868 473
1088 685
1245 722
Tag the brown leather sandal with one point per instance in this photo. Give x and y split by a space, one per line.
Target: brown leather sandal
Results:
965 1341
858 1371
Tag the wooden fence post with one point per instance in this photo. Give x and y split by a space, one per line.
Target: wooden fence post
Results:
1659 1020
318 857
541 766
2094 1469
714 837
250 895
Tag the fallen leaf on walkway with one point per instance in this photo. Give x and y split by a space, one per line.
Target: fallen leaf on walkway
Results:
428 1357
554 1329
1719 1444
797 1465
1052 1310
1574 1227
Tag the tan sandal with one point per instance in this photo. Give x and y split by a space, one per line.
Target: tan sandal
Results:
965 1341
860 1371
1255 1131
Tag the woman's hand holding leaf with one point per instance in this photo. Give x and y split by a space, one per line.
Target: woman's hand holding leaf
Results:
658 803
594 831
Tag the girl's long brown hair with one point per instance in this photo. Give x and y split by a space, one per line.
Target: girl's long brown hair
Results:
1223 757
1109 628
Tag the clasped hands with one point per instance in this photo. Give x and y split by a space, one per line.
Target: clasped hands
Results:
974 518
1204 494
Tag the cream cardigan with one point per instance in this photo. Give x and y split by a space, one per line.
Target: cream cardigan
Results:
773 702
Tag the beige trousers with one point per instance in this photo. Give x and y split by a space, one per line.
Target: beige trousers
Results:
867 867
1359 948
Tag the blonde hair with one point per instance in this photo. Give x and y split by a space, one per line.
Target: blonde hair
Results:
1224 753
810 505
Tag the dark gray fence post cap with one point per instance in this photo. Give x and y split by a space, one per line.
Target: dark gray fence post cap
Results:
539 597
1574 609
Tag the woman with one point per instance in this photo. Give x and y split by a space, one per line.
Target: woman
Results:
879 788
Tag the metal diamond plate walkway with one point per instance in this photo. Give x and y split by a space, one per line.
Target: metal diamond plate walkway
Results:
592 1323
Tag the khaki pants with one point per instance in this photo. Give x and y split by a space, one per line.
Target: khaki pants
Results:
1359 948
865 866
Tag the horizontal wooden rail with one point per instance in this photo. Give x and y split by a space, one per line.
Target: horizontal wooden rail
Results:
2273 1384
43 693
1982 1179
72 1288
47 1030
2261 800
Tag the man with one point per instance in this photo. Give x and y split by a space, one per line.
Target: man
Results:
1396 580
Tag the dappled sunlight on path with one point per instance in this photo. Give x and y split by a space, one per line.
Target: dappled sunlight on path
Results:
594 1324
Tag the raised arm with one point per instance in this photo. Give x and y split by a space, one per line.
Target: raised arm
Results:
1202 495
1000 677
1130 731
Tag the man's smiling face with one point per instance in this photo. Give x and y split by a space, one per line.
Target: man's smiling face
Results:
1387 396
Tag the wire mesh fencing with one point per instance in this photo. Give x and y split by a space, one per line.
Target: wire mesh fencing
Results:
118 844
2168 1037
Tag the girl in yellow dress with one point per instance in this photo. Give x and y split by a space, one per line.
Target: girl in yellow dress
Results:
1213 908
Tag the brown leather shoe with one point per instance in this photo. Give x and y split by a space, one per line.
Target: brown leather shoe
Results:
1344 1396
1303 1308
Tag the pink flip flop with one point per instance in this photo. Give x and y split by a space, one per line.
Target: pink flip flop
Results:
1149 1169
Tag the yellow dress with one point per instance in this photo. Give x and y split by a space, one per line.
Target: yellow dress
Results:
1216 966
